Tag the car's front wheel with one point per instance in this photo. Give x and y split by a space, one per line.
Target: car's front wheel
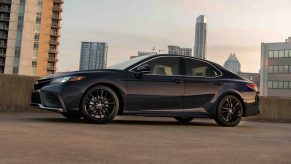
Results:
100 104
184 119
229 111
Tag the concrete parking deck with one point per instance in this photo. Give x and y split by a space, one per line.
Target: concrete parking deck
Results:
50 138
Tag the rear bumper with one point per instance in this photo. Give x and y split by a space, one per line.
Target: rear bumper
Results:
47 101
252 107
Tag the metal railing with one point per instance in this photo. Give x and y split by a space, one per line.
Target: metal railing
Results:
2 55
5 1
4 18
4 9
58 1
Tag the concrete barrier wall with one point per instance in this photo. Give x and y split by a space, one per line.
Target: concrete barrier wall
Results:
15 96
15 92
275 108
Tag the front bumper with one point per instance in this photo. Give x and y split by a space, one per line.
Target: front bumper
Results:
47 101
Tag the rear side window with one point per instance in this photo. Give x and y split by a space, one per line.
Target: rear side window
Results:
200 68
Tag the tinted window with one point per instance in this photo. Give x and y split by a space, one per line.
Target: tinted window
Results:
199 68
164 66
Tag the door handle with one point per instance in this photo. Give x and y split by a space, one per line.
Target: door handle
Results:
178 81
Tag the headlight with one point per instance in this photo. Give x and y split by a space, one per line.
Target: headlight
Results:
67 78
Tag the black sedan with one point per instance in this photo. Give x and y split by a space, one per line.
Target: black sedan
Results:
159 85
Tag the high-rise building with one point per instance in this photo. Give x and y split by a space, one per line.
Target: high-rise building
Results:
179 51
275 72
232 63
93 55
29 36
200 37
143 53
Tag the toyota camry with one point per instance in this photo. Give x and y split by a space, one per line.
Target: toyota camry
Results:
175 86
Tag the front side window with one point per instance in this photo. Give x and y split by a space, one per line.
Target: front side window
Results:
167 66
200 68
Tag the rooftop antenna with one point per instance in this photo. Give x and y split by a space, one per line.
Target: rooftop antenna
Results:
160 51
154 48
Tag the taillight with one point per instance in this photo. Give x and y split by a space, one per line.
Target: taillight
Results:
253 86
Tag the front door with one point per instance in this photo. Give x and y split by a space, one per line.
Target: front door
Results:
159 90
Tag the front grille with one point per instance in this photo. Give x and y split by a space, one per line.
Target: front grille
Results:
35 98
50 100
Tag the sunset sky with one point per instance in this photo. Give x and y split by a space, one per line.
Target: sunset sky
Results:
129 26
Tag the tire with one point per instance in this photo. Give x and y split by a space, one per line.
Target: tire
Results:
99 105
229 111
184 119
72 115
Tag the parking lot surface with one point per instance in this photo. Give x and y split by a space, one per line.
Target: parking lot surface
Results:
50 138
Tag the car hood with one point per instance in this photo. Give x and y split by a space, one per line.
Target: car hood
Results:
74 73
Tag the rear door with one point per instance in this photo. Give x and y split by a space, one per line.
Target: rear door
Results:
201 83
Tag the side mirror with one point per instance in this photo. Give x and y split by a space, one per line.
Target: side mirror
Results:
143 69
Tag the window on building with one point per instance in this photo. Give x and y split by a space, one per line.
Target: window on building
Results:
35 45
17 52
281 53
285 84
275 84
289 84
289 53
276 69
289 68
271 69
276 54
286 54
270 84
281 69
281 84
36 37
34 63
285 68
271 54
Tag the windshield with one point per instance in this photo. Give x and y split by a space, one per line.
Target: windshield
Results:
128 63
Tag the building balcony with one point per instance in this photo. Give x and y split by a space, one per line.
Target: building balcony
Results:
3 36
4 9
52 59
2 63
56 17
5 1
3 46
57 26
55 34
53 51
52 42
59 1
4 28
6 19
57 9
2 55
51 68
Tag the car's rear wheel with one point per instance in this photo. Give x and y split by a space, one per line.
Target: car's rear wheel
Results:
99 105
72 115
184 119
229 111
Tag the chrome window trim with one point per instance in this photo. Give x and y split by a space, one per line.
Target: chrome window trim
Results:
179 75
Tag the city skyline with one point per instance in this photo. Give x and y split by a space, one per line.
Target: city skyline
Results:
234 26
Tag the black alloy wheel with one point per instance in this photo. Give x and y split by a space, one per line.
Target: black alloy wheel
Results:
184 119
229 111
99 105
